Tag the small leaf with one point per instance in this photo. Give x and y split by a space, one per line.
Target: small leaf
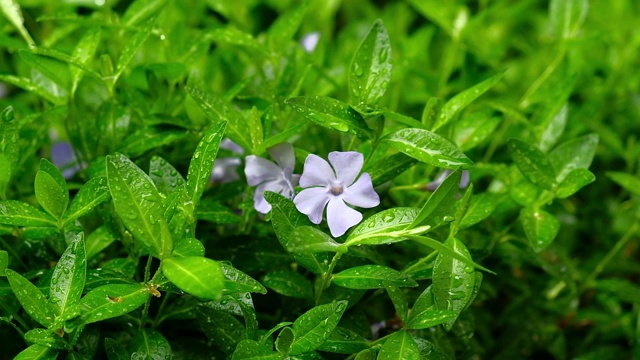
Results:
37 352
431 318
31 299
288 283
12 11
285 27
533 164
216 213
540 227
195 275
630 182
253 350
115 350
389 168
69 274
370 69
399 300
109 301
576 153
202 161
576 180
188 246
132 45
13 212
463 99
331 113
4 262
453 280
92 193
371 277
428 147
150 344
400 346
46 338
344 341
166 178
480 207
239 282
312 328
98 240
374 230
223 329
284 340
50 195
139 10
439 203
310 239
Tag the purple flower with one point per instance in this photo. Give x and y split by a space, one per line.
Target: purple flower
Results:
335 187
224 169
464 181
64 158
268 176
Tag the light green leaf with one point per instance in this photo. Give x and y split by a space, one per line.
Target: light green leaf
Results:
567 16
239 282
54 69
331 113
13 212
471 130
109 301
164 175
46 338
253 350
428 147
370 69
312 328
575 180
5 175
399 300
34 88
188 246
576 153
630 182
69 274
554 125
255 129
132 46
344 341
202 161
84 52
37 352
50 195
149 138
98 240
288 283
310 239
400 346
453 280
139 204
285 27
463 99
375 229
424 313
540 227
431 112
388 168
31 299
139 10
195 275
533 164
441 13
371 277
11 9
480 207
150 344
439 204
93 192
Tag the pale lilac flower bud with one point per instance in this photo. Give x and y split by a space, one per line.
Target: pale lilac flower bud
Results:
224 169
433 185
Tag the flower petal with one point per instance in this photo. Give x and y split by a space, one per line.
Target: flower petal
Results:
283 155
277 186
347 165
227 144
464 181
433 185
311 202
340 217
361 193
259 170
224 170
316 172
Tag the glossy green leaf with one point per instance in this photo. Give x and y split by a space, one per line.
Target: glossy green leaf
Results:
430 318
480 207
50 195
431 112
331 113
576 153
285 219
389 168
463 99
441 13
98 240
150 344
132 46
375 229
370 69
540 227
399 300
164 175
109 301
202 161
439 203
575 180
252 350
629 182
138 204
37 352
92 193
31 299
310 239
188 246
13 212
84 52
284 340
428 147
46 338
453 280
567 16
67 281
285 26
4 262
216 213
344 341
149 138
533 164
115 350
33 87
223 329
312 328
5 175
233 36
198 276
54 69
473 129
11 9
288 283
399 346
371 277
139 10
239 282
555 124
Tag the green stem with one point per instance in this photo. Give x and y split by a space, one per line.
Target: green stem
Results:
326 277
420 262
147 274
524 102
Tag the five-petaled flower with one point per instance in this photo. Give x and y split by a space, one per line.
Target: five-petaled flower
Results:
335 187
268 176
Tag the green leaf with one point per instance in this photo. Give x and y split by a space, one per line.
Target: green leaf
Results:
69 274
400 346
166 178
533 163
431 112
480 207
109 301
441 13
223 329
540 227
370 69
215 212
31 299
5 175
37 352
471 130
46 338
93 192
399 300
463 99
195 275
331 113
288 283
284 340
389 168
285 219
13 212
252 350
554 124
188 246
310 239
630 182
54 69
131 48
344 341
149 138
371 277
98 240
239 282
312 328
566 17
428 147
375 229
574 154
11 9
439 204
34 88
50 195
84 52
430 318
139 204
576 180
150 344
453 280
218 110
139 10
4 262
202 161
285 26
115 350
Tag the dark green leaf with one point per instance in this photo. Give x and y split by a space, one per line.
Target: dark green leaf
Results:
202 161
13 212
5 175
221 328
533 164
574 181
164 175
540 227
439 203
331 113
31 299
98 240
93 192
239 282
288 283
150 344
252 350
4 262
284 340
195 275
149 138
115 350
344 341
37 352
630 182
399 346
46 338
375 230
67 281
312 328
371 277
389 168
310 239
576 153
399 300
428 147
110 301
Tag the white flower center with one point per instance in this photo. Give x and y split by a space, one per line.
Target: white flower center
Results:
336 188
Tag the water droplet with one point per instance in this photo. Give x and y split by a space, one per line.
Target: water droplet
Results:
384 54
468 269
196 155
357 70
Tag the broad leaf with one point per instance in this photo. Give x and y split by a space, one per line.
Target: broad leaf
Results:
288 283
202 161
575 180
50 195
109 301
31 299
67 281
46 338
223 329
375 229
439 204
312 328
196 275
540 227
13 212
37 352
310 239
239 282
371 277
331 113
574 154
93 192
399 346
164 175
533 163
150 344
428 147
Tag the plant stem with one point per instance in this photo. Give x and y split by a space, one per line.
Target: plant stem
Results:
326 277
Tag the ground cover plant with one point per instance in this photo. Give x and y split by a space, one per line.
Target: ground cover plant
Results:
359 179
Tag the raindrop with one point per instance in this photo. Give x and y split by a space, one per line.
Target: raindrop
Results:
468 269
384 54
357 70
